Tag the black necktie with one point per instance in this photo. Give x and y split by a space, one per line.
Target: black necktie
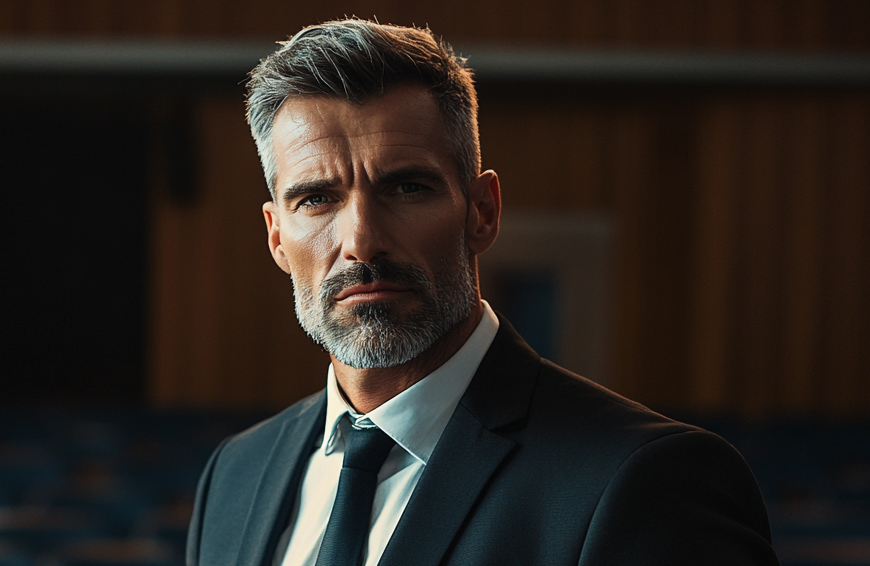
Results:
348 527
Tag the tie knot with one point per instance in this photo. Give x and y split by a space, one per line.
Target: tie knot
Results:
366 448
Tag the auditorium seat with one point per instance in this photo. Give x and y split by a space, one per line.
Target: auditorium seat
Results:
105 487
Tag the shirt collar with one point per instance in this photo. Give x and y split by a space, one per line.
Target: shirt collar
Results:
416 417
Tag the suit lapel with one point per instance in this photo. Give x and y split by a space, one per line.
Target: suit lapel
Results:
468 453
279 482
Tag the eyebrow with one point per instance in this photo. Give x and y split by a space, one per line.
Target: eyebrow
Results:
303 188
410 172
307 187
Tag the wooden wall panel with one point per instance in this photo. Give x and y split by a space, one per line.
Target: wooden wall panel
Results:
743 24
630 139
763 23
584 163
223 329
844 325
759 282
740 285
741 278
848 22
714 256
720 24
585 18
806 23
624 22
807 135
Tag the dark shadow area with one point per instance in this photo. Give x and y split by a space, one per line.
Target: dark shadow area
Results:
102 486
73 218
107 486
529 299
814 475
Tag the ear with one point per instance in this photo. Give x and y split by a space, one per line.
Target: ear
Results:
484 211
270 212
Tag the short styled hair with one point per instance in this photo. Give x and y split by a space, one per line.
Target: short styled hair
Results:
354 60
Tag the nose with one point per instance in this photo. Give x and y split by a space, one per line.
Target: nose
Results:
364 229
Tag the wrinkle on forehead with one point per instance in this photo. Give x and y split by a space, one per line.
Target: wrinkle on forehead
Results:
325 134
336 146
332 113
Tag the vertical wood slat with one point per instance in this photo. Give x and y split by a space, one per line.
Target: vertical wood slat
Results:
497 27
501 131
168 367
206 281
721 24
213 263
863 267
537 25
201 19
167 20
543 183
676 22
140 19
586 20
805 177
838 24
11 20
846 294
659 224
807 24
625 22
548 156
863 304
776 24
764 23
166 357
760 302
43 17
714 256
849 21
584 167
628 143
94 17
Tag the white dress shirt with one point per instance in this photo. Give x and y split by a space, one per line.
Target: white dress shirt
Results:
415 419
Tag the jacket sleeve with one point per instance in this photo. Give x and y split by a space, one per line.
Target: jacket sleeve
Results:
684 499
194 531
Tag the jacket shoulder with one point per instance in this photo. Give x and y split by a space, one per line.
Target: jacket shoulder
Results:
582 403
229 484
575 422
251 442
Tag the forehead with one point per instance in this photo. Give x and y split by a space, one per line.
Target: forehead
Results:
317 135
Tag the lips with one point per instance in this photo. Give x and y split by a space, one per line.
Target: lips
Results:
383 281
375 291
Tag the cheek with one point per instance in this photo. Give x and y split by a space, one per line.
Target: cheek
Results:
309 250
438 245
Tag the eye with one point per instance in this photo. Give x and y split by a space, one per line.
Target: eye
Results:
410 188
314 200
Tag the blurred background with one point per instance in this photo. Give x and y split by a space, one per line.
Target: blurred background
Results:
686 188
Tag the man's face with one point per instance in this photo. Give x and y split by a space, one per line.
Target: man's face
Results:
370 221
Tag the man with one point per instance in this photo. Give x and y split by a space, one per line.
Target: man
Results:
441 437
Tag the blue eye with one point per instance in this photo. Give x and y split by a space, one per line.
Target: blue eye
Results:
314 200
409 188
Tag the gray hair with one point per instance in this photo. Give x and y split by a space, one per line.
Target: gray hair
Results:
354 60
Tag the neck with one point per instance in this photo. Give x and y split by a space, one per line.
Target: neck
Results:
368 389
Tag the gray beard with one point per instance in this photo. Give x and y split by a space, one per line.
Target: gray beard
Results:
376 335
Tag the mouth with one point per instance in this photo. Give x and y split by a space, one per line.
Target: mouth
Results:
377 291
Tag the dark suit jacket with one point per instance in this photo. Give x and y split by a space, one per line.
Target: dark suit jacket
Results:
537 466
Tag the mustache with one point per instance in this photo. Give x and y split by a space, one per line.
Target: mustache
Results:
405 274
